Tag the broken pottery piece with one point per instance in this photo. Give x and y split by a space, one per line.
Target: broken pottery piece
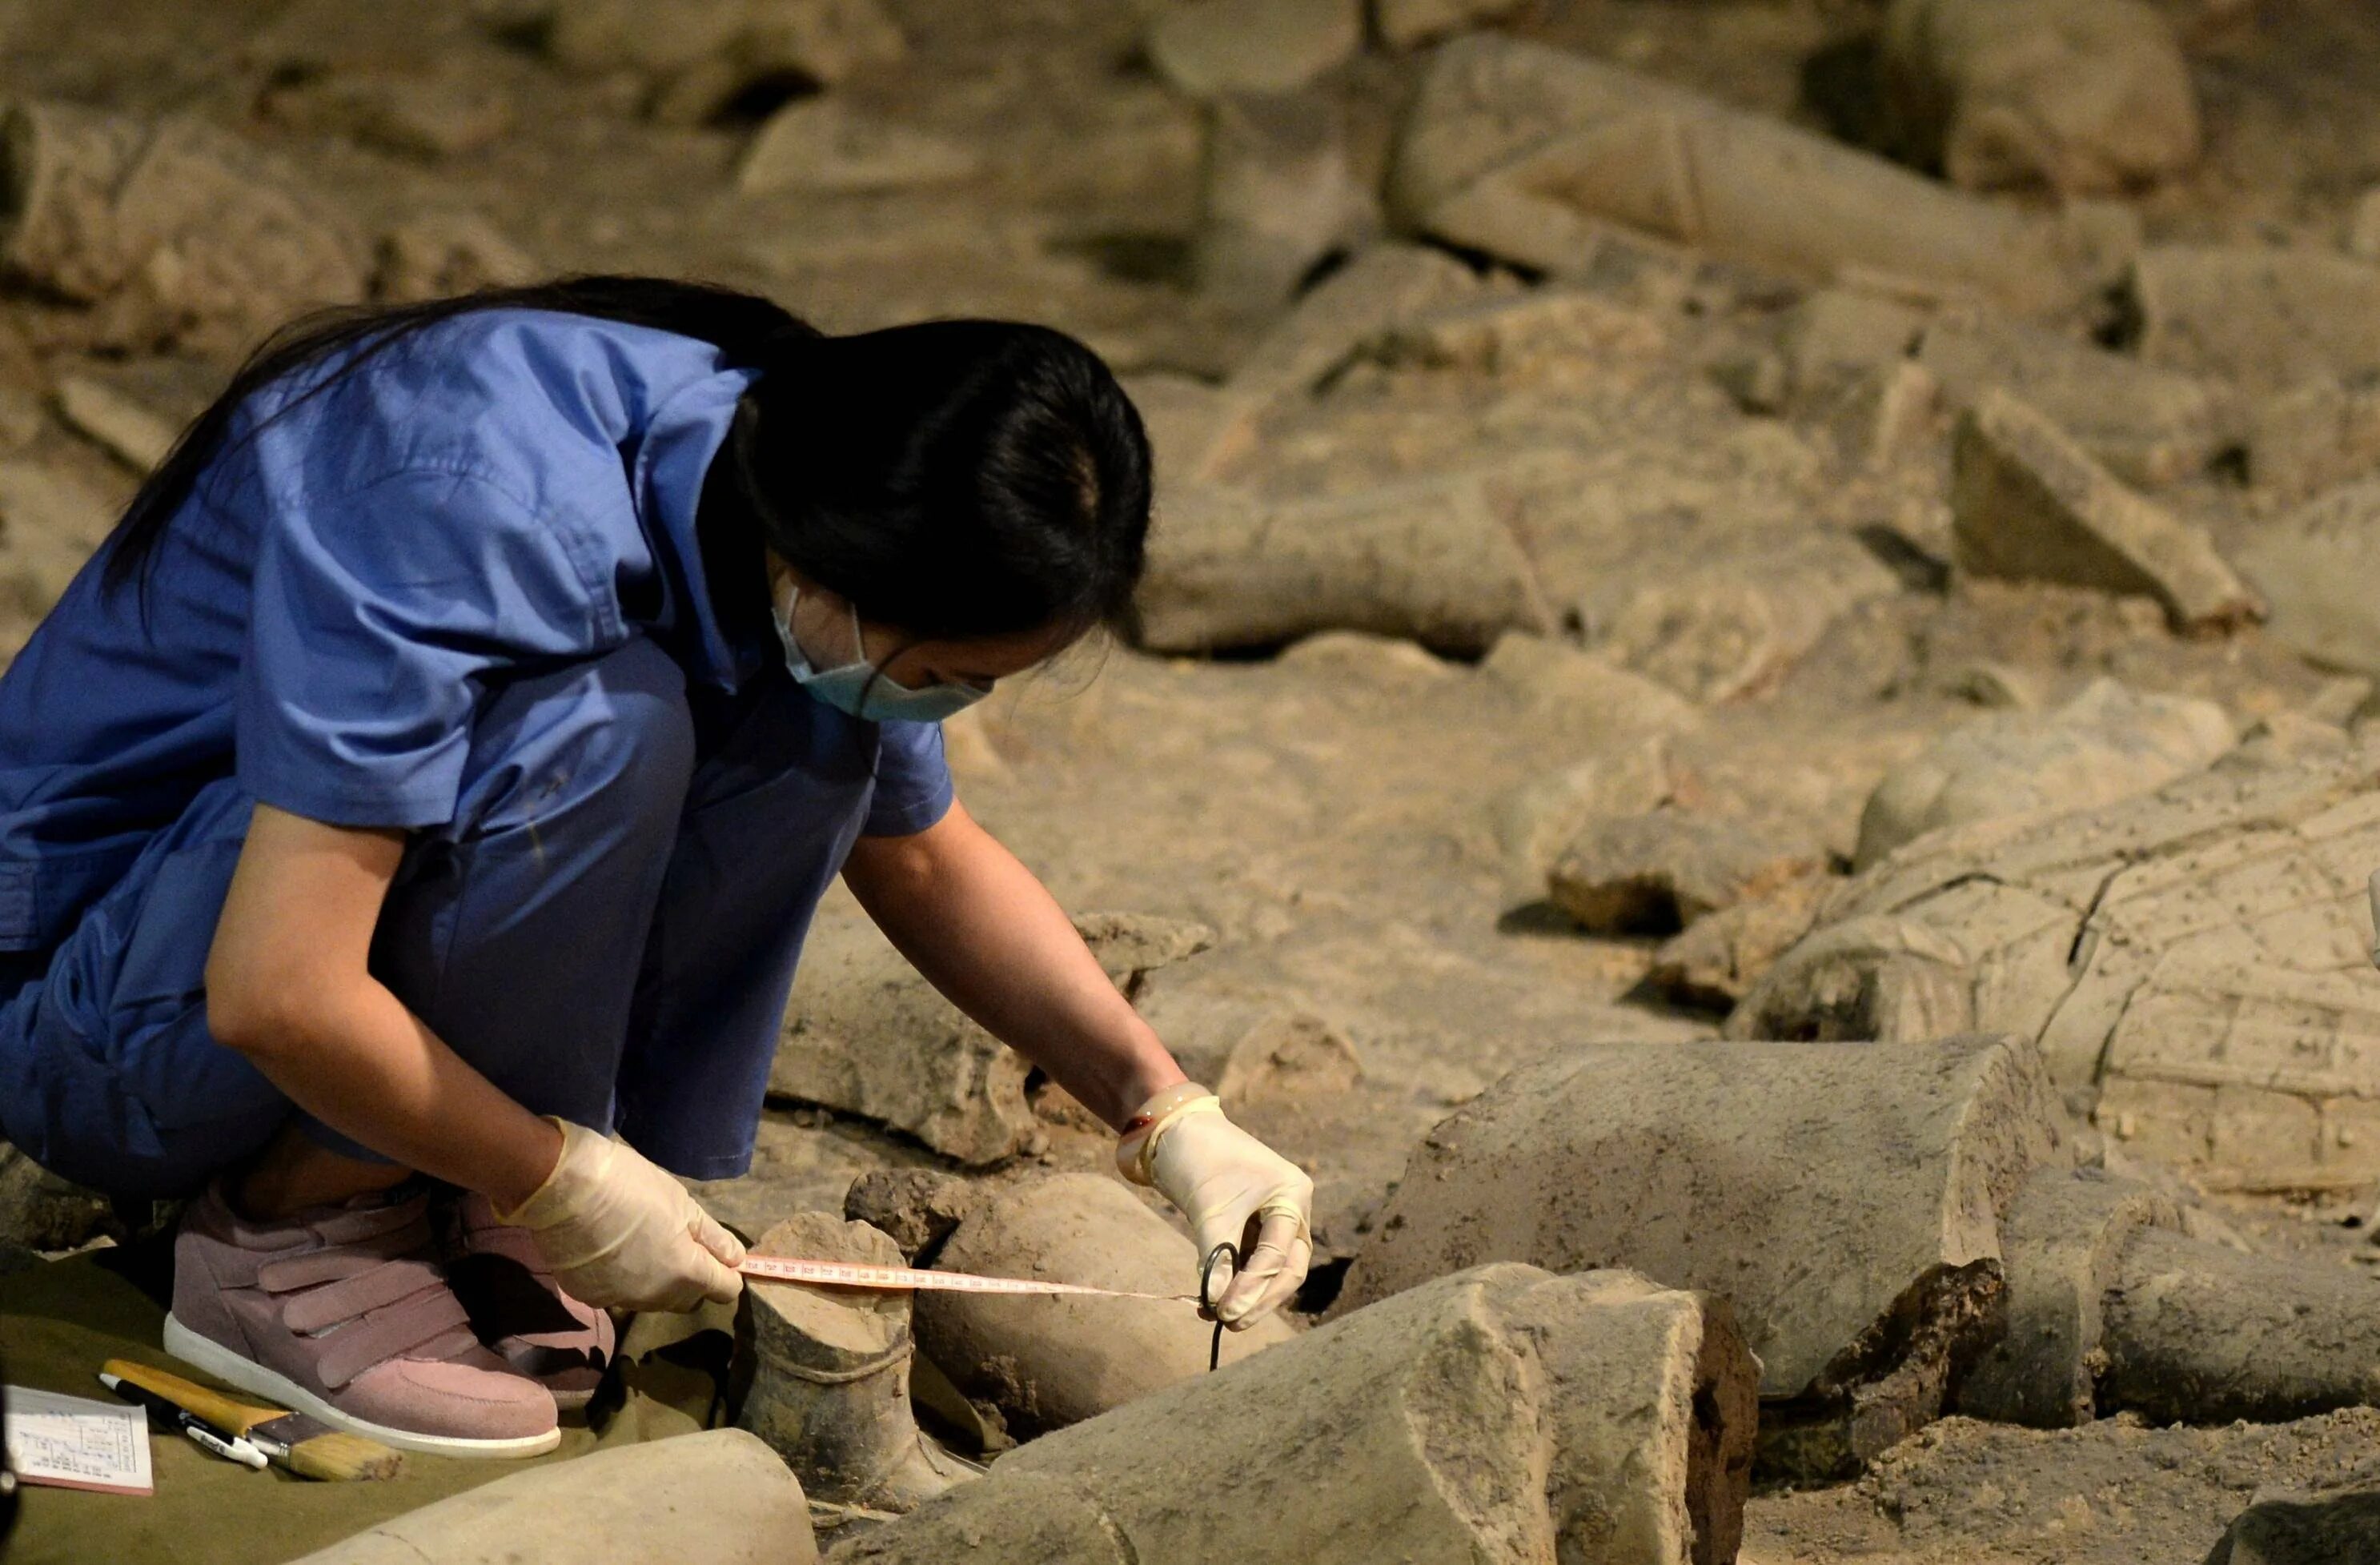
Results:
2107 744
718 1496
829 1374
2083 96
1848 1199
1661 872
2027 504
1501 1413
1042 1362
2196 958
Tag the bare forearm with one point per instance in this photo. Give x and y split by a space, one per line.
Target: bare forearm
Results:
986 932
370 1069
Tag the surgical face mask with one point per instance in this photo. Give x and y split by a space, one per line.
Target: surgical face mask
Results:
861 688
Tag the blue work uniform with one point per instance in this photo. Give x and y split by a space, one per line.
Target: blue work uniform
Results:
459 591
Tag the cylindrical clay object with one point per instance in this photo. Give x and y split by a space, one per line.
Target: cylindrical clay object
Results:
2201 1333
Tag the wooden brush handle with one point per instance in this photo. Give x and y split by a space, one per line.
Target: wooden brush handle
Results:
213 1406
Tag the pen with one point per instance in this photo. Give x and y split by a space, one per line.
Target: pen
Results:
221 1441
233 1450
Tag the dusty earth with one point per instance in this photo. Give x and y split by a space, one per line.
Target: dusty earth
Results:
1352 815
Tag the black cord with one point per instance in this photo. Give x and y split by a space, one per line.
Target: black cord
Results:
1206 1295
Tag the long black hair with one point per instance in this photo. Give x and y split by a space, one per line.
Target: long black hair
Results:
953 479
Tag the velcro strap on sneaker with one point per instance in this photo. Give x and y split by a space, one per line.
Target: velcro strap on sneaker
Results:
388 1283
388 1334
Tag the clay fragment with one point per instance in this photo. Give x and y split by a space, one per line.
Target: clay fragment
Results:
2147 424
697 56
1041 1363
829 1374
2196 958
2312 566
2029 504
1714 961
2082 96
1405 24
1658 873
2201 1333
1210 47
1501 1413
822 145
1862 1276
2107 744
1531 154
2281 1526
1434 559
174 232
917 1209
438 254
2324 433
866 1034
718 1496
1277 196
2265 319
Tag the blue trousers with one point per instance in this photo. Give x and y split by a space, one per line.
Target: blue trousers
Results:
607 930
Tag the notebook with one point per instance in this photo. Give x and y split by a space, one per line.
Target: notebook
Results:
74 1443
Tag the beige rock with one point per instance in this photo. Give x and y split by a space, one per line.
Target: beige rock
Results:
2080 95
2363 226
1836 333
2029 504
1736 626
40 1211
1714 961
1435 559
1536 822
2147 424
2265 318
718 1496
1549 673
1252 1044
824 146
1043 1363
176 233
1403 24
1210 47
1700 1162
1531 154
1277 195
2311 437
866 1034
698 55
2283 1527
2196 956
430 114
1382 287
830 1388
439 254
917 1209
2108 742
115 422
2312 566
1658 873
1497 1414
1511 334
50 523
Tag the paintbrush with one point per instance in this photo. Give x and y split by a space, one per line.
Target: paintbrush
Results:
303 1444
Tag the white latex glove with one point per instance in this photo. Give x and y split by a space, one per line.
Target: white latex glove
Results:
621 1233
1227 1182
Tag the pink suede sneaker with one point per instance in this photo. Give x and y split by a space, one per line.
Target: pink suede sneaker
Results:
344 1311
518 1309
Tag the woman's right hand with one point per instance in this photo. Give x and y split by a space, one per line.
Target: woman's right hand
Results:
621 1233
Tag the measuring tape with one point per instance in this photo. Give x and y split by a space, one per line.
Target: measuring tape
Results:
853 1274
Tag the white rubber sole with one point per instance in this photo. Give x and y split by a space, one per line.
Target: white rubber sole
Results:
249 1376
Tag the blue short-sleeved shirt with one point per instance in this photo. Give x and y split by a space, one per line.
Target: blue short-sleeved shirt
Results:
507 490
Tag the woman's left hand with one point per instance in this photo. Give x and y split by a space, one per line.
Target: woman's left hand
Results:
1226 1181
